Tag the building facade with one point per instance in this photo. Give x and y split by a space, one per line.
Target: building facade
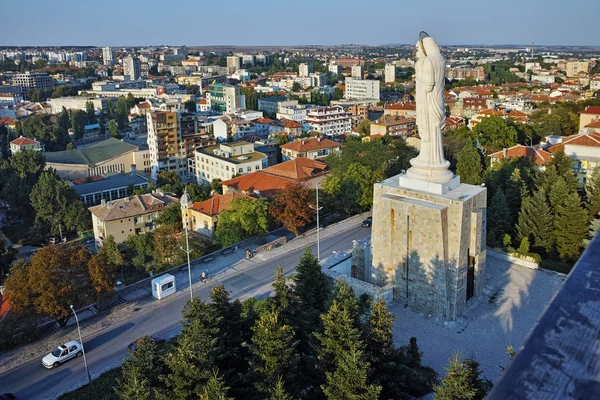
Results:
390 73
132 67
330 121
108 56
311 149
361 89
225 99
33 80
164 140
226 160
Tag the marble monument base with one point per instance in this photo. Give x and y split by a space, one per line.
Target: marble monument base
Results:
429 187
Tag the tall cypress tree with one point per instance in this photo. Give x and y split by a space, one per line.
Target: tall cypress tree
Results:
536 221
592 191
570 227
499 216
564 168
469 165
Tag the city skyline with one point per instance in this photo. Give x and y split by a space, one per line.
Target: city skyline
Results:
332 23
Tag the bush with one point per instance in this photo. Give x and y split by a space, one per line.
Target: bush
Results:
18 331
556 265
101 388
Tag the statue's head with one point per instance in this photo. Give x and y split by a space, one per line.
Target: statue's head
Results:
427 47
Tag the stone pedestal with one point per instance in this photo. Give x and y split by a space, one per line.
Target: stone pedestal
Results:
428 240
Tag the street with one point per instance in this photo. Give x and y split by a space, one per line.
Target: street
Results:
108 348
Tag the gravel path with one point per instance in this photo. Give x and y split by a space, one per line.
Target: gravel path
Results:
514 299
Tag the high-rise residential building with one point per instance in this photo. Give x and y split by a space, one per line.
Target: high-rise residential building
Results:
361 89
226 160
225 99
248 59
358 71
33 80
234 62
132 67
304 70
390 73
180 51
108 56
164 139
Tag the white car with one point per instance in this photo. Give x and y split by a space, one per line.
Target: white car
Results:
63 353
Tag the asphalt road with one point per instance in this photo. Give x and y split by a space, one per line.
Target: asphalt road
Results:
32 381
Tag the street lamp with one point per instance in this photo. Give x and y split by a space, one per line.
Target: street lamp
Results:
318 226
82 349
185 202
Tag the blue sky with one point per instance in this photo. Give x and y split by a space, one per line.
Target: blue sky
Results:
294 22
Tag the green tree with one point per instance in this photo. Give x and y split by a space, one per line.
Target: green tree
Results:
111 250
121 112
113 129
342 357
535 220
139 249
273 351
7 255
278 392
296 86
564 168
494 134
56 204
524 247
311 286
215 388
171 215
462 381
110 109
170 182
364 127
198 192
190 106
78 119
570 227
63 121
592 191
90 112
593 231
245 218
4 148
498 218
469 166
141 372
102 123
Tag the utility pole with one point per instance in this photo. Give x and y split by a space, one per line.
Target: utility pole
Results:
318 226
82 349
185 202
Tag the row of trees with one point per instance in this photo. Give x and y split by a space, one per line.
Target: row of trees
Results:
304 341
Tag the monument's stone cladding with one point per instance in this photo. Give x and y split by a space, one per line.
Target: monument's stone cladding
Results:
432 239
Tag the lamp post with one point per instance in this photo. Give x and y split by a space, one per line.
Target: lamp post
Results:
185 202
318 226
82 349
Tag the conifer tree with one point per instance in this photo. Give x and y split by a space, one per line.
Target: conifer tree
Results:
592 191
498 222
536 221
469 165
557 194
593 231
570 227
342 358
133 385
515 190
273 351
215 388
278 392
462 381
284 301
311 284
413 353
343 294
564 168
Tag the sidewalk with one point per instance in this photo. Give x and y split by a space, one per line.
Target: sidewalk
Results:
219 269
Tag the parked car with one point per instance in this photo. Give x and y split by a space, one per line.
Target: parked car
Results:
367 222
155 338
63 353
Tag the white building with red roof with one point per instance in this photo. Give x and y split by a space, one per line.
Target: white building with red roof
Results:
538 156
588 115
312 148
330 121
23 143
584 150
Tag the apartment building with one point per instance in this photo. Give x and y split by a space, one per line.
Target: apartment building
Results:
132 68
335 69
390 73
304 70
330 121
33 80
225 99
128 216
460 73
574 68
80 103
108 56
230 128
358 72
234 62
394 126
226 160
403 109
164 141
312 149
361 89
272 104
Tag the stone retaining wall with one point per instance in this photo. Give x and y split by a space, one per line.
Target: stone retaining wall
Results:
514 260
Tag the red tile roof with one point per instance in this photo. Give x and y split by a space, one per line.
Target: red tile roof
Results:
6 120
538 156
216 204
591 139
595 124
301 145
298 169
595 110
24 141
263 121
288 123
401 106
4 305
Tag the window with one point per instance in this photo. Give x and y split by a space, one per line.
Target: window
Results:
248 168
241 170
167 286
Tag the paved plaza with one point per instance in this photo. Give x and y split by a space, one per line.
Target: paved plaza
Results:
513 300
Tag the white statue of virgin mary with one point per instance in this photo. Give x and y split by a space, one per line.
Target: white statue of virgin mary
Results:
430 67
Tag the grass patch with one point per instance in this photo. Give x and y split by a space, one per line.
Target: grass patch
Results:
101 388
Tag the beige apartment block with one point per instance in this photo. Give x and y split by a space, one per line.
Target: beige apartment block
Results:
128 216
431 247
